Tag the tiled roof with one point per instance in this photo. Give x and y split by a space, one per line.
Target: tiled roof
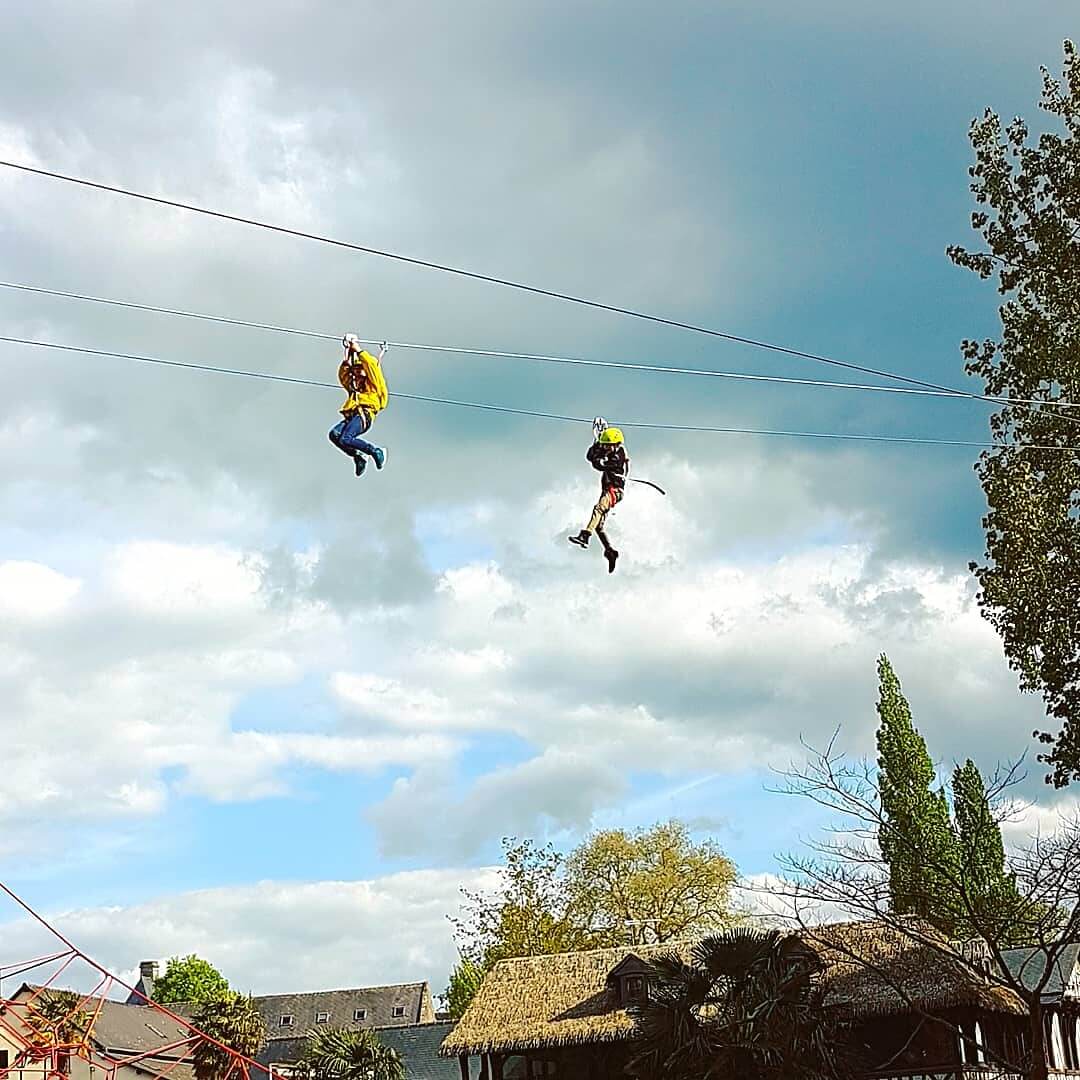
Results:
1028 966
418 1045
376 1002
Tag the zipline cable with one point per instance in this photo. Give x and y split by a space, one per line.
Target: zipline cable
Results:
489 279
487 407
539 357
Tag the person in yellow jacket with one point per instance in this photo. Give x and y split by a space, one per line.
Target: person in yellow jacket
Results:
362 377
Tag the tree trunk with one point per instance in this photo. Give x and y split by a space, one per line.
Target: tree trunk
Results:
1037 1067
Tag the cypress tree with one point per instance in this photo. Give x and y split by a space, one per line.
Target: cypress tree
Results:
916 837
990 887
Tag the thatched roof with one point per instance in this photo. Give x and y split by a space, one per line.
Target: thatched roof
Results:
874 969
544 1001
564 1000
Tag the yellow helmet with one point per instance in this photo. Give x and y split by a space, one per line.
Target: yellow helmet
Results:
611 436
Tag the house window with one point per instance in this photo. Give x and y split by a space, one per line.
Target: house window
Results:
399 1010
3 1059
359 1014
322 1017
634 988
286 1020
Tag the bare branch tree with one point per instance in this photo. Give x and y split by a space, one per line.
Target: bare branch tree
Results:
845 869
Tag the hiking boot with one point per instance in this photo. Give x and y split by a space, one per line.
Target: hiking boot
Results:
582 538
359 464
379 454
611 555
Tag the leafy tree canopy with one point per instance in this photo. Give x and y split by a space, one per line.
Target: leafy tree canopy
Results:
615 888
189 979
349 1054
1028 191
235 1022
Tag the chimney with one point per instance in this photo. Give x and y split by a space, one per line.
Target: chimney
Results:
144 989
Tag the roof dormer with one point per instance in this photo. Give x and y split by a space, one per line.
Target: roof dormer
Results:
629 980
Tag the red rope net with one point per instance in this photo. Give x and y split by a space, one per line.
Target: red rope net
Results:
65 1017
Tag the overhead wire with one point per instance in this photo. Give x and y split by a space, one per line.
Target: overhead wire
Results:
492 279
502 354
488 407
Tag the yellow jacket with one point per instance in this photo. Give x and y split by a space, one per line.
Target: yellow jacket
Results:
361 376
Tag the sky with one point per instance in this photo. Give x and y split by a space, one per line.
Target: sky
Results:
259 709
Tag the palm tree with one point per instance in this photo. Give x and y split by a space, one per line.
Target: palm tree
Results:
749 1003
349 1054
57 1021
235 1022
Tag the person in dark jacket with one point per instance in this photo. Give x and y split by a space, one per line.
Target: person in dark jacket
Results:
608 456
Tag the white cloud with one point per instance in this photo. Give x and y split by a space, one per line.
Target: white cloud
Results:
177 580
767 898
558 789
438 600
276 936
248 764
32 590
389 702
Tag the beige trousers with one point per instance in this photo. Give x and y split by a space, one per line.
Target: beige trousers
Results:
606 504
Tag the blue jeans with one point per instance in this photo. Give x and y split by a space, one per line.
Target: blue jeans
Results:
346 436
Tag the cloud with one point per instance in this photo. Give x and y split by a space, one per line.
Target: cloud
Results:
276 936
182 550
31 590
558 789
139 681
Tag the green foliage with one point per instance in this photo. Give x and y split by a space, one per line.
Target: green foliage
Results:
651 885
532 914
1029 217
999 913
465 980
348 1054
615 888
749 1004
234 1021
916 838
191 980
952 872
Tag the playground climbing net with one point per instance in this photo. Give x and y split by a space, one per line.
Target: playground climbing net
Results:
65 1017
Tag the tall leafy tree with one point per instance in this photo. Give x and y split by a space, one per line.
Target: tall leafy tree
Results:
991 886
749 1004
651 885
615 888
191 980
349 1054
1028 193
916 836
232 1020
531 915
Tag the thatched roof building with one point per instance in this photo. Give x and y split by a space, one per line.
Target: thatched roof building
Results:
577 999
874 969
547 1001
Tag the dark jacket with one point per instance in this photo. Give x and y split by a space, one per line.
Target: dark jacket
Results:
612 462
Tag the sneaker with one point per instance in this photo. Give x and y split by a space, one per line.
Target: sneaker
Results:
582 538
379 454
359 464
611 555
